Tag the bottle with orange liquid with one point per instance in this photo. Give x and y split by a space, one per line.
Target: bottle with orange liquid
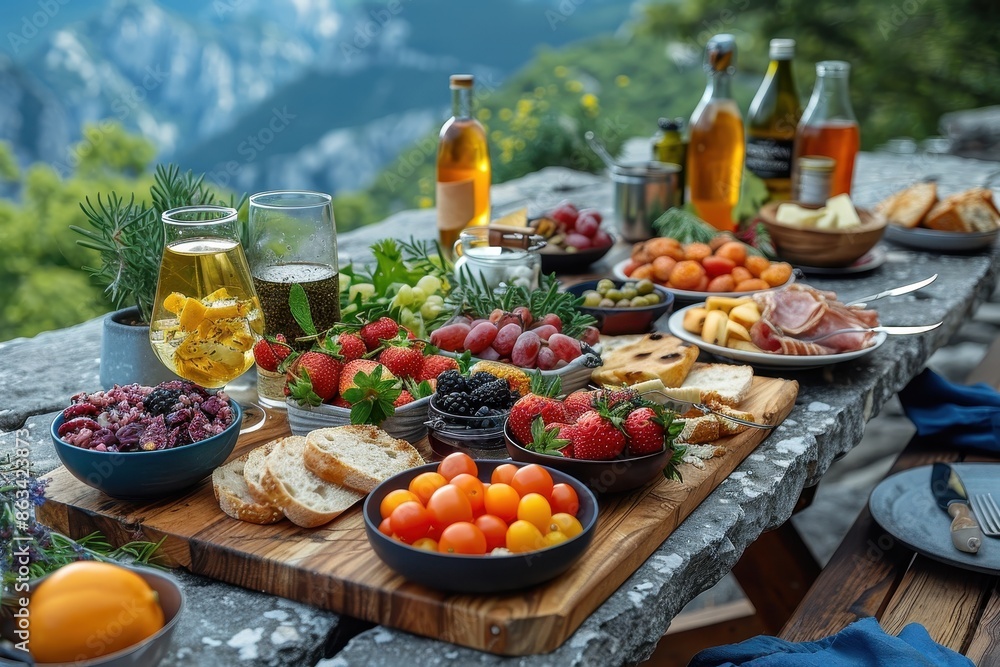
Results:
716 147
463 168
829 127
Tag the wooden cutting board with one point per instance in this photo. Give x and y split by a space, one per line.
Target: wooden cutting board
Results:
333 567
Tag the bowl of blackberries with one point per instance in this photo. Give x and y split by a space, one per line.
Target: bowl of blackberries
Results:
467 414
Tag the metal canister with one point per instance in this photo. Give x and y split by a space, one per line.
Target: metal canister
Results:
815 178
643 191
669 146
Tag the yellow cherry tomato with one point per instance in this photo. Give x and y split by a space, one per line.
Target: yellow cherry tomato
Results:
567 524
535 509
426 543
554 537
523 536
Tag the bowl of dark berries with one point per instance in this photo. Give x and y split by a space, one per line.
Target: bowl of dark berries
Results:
139 443
467 414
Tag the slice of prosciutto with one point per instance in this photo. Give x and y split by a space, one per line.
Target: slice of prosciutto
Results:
803 312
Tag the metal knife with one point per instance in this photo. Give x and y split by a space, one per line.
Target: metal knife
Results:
895 291
950 495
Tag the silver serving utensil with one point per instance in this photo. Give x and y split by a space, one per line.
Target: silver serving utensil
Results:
895 291
989 514
701 407
894 331
596 145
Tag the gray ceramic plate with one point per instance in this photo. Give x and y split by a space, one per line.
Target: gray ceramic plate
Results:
904 506
938 241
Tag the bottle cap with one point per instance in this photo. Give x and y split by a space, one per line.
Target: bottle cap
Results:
782 49
461 81
720 54
833 68
670 124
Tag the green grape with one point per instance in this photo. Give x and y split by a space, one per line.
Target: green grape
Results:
644 287
429 284
613 294
366 290
404 297
430 310
606 303
591 298
436 299
604 286
419 296
629 292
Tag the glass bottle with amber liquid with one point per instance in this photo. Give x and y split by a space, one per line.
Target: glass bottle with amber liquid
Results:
716 147
463 168
829 127
772 121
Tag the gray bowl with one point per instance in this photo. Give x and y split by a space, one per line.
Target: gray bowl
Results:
408 422
150 651
148 475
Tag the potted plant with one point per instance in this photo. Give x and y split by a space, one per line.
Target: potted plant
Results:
129 239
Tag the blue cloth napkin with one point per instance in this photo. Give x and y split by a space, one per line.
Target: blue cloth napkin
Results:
967 415
861 644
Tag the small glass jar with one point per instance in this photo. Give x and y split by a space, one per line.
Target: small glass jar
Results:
449 433
498 258
815 178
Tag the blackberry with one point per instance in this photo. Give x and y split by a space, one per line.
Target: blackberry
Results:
494 394
482 423
477 380
512 398
161 401
458 403
451 382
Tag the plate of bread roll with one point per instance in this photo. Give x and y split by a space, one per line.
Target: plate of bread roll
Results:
967 220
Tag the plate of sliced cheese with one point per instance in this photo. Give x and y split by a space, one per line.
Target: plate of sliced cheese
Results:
968 220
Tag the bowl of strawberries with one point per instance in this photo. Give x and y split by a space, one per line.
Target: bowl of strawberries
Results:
612 440
376 374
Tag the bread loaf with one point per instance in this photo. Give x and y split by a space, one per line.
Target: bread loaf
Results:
908 207
357 456
720 384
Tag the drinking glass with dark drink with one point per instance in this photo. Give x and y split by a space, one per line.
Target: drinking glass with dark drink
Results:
293 241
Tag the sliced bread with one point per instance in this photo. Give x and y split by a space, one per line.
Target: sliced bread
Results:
234 496
253 471
358 456
304 498
720 384
699 430
654 356
909 207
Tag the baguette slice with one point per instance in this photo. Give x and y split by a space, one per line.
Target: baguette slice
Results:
699 430
729 427
304 498
909 207
720 384
233 494
654 356
253 471
357 456
969 211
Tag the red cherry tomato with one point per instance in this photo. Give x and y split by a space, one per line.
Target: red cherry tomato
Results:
456 464
532 478
473 490
564 499
495 530
410 521
462 538
448 505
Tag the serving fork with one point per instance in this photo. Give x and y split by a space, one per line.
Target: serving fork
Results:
704 409
987 512
896 331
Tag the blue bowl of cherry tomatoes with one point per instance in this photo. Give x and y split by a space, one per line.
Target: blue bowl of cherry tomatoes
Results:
575 238
480 526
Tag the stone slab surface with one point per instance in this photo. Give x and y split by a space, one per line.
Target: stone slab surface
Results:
828 420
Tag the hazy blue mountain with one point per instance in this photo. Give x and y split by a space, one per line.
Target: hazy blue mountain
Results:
286 93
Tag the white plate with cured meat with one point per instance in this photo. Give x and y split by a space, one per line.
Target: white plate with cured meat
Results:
766 359
689 296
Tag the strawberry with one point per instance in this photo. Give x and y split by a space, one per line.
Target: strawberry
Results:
613 397
403 362
384 328
270 353
555 439
644 432
596 437
352 368
579 402
341 402
404 398
433 365
351 347
313 377
527 408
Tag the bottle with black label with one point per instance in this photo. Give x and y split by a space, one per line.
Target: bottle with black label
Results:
774 115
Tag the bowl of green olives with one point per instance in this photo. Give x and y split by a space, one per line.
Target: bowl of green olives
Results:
623 306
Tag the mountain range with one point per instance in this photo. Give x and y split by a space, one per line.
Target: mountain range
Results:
265 94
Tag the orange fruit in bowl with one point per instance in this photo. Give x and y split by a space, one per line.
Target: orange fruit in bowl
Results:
90 609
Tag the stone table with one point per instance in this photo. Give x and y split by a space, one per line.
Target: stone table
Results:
227 625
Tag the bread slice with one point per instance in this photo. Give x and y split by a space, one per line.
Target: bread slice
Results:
969 211
909 207
253 471
233 494
654 356
699 430
304 498
358 456
720 384
729 427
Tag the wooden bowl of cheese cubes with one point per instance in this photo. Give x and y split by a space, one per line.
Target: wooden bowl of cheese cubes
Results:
831 236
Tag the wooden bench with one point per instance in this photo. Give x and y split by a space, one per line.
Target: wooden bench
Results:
870 575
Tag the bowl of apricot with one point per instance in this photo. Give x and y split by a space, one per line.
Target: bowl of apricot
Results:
695 271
